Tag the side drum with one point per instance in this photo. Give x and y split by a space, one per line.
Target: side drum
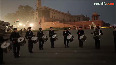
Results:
44 38
21 41
6 47
34 39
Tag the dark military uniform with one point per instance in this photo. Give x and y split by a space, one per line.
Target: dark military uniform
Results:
16 46
1 50
114 33
66 41
96 34
80 33
51 33
29 35
41 41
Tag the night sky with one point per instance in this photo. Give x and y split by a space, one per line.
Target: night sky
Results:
76 7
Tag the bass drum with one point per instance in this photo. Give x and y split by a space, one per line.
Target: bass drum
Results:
6 47
21 41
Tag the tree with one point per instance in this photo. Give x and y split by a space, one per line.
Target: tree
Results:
24 14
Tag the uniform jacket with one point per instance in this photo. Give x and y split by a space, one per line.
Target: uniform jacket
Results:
29 34
14 36
40 34
66 33
51 33
80 32
114 33
97 32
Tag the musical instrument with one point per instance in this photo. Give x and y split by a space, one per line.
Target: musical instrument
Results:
70 37
97 37
44 38
21 41
83 38
28 37
6 47
55 37
34 39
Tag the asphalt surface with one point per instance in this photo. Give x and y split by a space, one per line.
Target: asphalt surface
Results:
73 55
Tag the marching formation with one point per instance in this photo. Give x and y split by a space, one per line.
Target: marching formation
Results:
18 40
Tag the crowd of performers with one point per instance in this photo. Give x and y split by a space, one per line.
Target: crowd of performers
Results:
17 40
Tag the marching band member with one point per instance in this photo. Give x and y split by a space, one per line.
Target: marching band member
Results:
41 41
80 33
114 34
1 50
16 46
29 35
65 34
51 33
97 34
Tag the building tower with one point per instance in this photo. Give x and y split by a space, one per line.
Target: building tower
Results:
38 3
95 16
38 10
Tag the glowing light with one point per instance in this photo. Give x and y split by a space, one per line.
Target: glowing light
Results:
24 25
31 25
105 27
20 24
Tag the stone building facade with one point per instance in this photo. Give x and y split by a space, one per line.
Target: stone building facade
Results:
46 17
51 15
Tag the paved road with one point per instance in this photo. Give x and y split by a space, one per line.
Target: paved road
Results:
68 56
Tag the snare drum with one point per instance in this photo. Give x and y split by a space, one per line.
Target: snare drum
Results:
83 38
55 37
34 39
6 47
44 38
70 37
21 41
